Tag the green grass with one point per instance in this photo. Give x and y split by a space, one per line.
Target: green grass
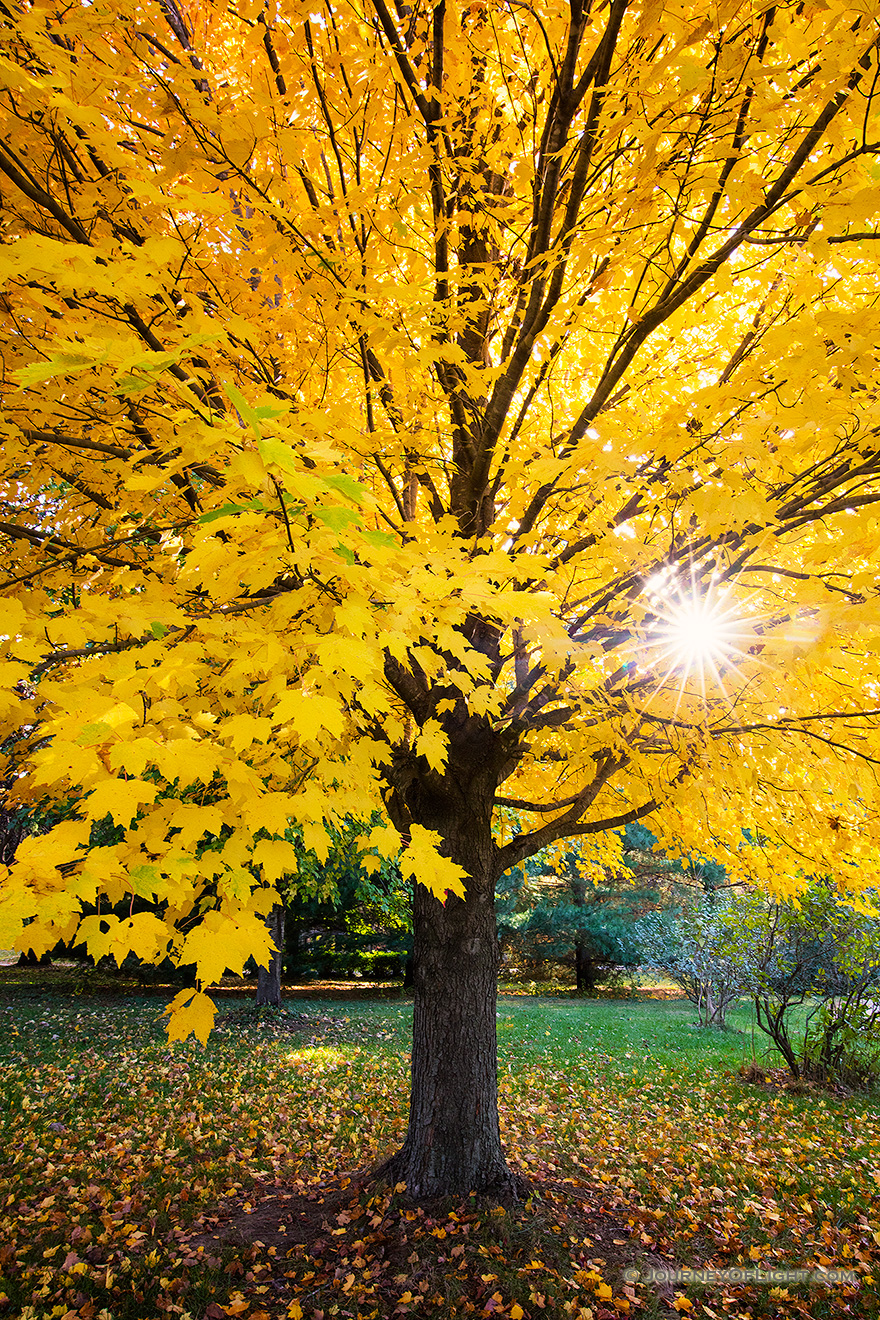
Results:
642 1142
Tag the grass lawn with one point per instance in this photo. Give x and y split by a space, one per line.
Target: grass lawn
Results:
140 1181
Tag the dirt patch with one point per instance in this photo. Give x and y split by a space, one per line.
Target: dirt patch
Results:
278 1214
351 1245
780 1079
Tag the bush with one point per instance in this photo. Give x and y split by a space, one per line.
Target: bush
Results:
824 954
324 959
842 1044
693 946
818 953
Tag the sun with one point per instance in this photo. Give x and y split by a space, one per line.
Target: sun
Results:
696 633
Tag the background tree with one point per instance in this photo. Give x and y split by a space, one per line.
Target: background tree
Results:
269 976
350 914
551 911
458 406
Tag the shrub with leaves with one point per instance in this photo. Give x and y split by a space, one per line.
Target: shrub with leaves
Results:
826 954
694 945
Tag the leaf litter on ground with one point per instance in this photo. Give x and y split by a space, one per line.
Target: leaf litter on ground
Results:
141 1180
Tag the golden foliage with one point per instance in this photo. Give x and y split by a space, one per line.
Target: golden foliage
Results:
375 384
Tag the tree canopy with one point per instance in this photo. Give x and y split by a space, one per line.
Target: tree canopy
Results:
440 407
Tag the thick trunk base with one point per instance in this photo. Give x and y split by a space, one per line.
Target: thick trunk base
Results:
585 970
453 1143
501 1184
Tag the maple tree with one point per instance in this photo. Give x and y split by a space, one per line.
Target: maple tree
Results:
443 408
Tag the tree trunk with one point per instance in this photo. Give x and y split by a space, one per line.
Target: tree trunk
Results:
585 976
269 978
453 1143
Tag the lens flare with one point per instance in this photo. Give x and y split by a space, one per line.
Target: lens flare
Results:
696 637
697 634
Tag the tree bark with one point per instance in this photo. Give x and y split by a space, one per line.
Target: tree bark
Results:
584 969
269 978
453 1142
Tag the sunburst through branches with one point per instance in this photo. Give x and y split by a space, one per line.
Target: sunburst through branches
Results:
697 636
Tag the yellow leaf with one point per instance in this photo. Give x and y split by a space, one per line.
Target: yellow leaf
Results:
243 730
310 713
347 656
277 858
133 757
42 852
192 822
385 839
219 942
13 618
120 798
424 862
187 760
144 934
432 744
316 839
16 907
190 1013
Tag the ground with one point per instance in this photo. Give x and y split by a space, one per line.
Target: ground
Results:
143 1181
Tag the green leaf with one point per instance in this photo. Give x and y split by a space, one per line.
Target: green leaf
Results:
336 517
132 385
266 411
254 414
227 510
347 486
93 733
379 538
138 373
145 880
61 364
243 407
274 451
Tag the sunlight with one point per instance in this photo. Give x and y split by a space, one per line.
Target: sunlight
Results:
319 1058
696 633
